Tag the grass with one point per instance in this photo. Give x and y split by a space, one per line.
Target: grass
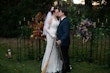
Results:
33 66
14 66
84 67
11 66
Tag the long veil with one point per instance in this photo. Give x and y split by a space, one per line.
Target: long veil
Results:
49 14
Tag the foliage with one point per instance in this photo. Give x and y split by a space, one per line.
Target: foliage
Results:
12 11
76 13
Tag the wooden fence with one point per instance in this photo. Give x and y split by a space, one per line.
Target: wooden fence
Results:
96 50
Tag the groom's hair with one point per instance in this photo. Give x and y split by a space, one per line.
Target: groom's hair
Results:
64 10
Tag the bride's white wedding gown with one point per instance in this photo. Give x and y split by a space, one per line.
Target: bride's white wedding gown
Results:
55 63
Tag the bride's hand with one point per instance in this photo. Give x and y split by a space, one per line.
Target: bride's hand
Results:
54 36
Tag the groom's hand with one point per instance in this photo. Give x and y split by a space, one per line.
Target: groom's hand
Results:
59 42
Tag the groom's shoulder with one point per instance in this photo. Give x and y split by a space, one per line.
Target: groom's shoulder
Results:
66 19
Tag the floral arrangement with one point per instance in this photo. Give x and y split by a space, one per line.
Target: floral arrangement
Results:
85 28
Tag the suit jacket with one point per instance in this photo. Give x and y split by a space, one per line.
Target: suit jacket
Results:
63 32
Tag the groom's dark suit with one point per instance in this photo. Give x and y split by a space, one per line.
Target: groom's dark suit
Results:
63 34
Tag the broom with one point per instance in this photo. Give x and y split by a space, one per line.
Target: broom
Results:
45 68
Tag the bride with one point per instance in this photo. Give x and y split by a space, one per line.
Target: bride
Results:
51 61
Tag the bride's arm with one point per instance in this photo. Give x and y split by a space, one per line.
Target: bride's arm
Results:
48 28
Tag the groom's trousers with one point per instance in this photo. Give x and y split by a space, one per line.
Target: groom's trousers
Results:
65 59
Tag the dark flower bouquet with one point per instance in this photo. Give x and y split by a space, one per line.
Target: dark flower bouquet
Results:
85 28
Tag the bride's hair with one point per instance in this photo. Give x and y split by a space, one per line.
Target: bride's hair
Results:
52 11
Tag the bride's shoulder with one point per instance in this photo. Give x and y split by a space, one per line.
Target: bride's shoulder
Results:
51 17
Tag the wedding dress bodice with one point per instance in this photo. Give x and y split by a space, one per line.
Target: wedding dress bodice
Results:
53 27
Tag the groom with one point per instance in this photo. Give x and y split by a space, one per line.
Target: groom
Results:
63 39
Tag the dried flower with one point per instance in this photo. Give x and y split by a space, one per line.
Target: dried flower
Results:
85 29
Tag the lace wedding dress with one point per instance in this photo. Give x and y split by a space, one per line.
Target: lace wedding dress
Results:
55 63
